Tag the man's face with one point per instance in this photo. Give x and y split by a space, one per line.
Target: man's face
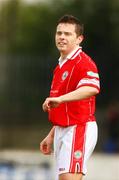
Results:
66 38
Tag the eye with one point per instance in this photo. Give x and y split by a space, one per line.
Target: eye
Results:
59 33
67 33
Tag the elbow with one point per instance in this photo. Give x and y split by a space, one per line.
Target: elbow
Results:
95 91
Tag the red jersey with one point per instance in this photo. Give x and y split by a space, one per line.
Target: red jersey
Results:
78 71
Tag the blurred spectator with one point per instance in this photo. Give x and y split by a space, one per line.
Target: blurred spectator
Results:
112 115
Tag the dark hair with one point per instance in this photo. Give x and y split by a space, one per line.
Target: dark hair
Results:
72 20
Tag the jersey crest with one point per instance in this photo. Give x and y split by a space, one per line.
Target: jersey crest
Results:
64 75
77 154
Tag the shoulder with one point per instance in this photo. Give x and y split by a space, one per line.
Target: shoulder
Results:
85 60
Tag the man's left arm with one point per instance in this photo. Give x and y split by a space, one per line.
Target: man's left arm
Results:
81 93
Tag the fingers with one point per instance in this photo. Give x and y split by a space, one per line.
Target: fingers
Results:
50 103
46 146
45 149
46 105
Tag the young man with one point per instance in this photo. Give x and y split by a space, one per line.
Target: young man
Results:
71 105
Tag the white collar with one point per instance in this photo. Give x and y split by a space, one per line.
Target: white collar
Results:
70 56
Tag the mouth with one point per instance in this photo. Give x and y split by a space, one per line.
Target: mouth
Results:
61 43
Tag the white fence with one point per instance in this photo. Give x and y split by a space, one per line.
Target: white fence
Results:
25 165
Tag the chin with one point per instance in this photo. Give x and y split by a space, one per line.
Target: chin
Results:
62 49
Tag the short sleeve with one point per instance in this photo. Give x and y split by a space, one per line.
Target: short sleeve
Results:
89 75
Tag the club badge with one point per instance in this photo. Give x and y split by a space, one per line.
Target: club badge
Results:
64 75
77 154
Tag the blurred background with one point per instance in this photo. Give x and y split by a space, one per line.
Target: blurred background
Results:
27 58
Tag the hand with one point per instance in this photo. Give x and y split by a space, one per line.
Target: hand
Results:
51 102
46 145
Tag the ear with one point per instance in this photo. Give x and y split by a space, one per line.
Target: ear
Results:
80 39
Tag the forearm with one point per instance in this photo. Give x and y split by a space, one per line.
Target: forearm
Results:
79 94
46 143
76 95
51 133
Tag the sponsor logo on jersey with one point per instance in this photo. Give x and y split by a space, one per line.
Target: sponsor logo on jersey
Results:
78 154
64 75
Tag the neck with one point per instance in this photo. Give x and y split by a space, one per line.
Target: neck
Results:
65 54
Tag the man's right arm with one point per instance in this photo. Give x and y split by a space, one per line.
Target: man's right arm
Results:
46 143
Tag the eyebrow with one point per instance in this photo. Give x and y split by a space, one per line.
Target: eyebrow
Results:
65 32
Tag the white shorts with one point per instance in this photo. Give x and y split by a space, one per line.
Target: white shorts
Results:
73 146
